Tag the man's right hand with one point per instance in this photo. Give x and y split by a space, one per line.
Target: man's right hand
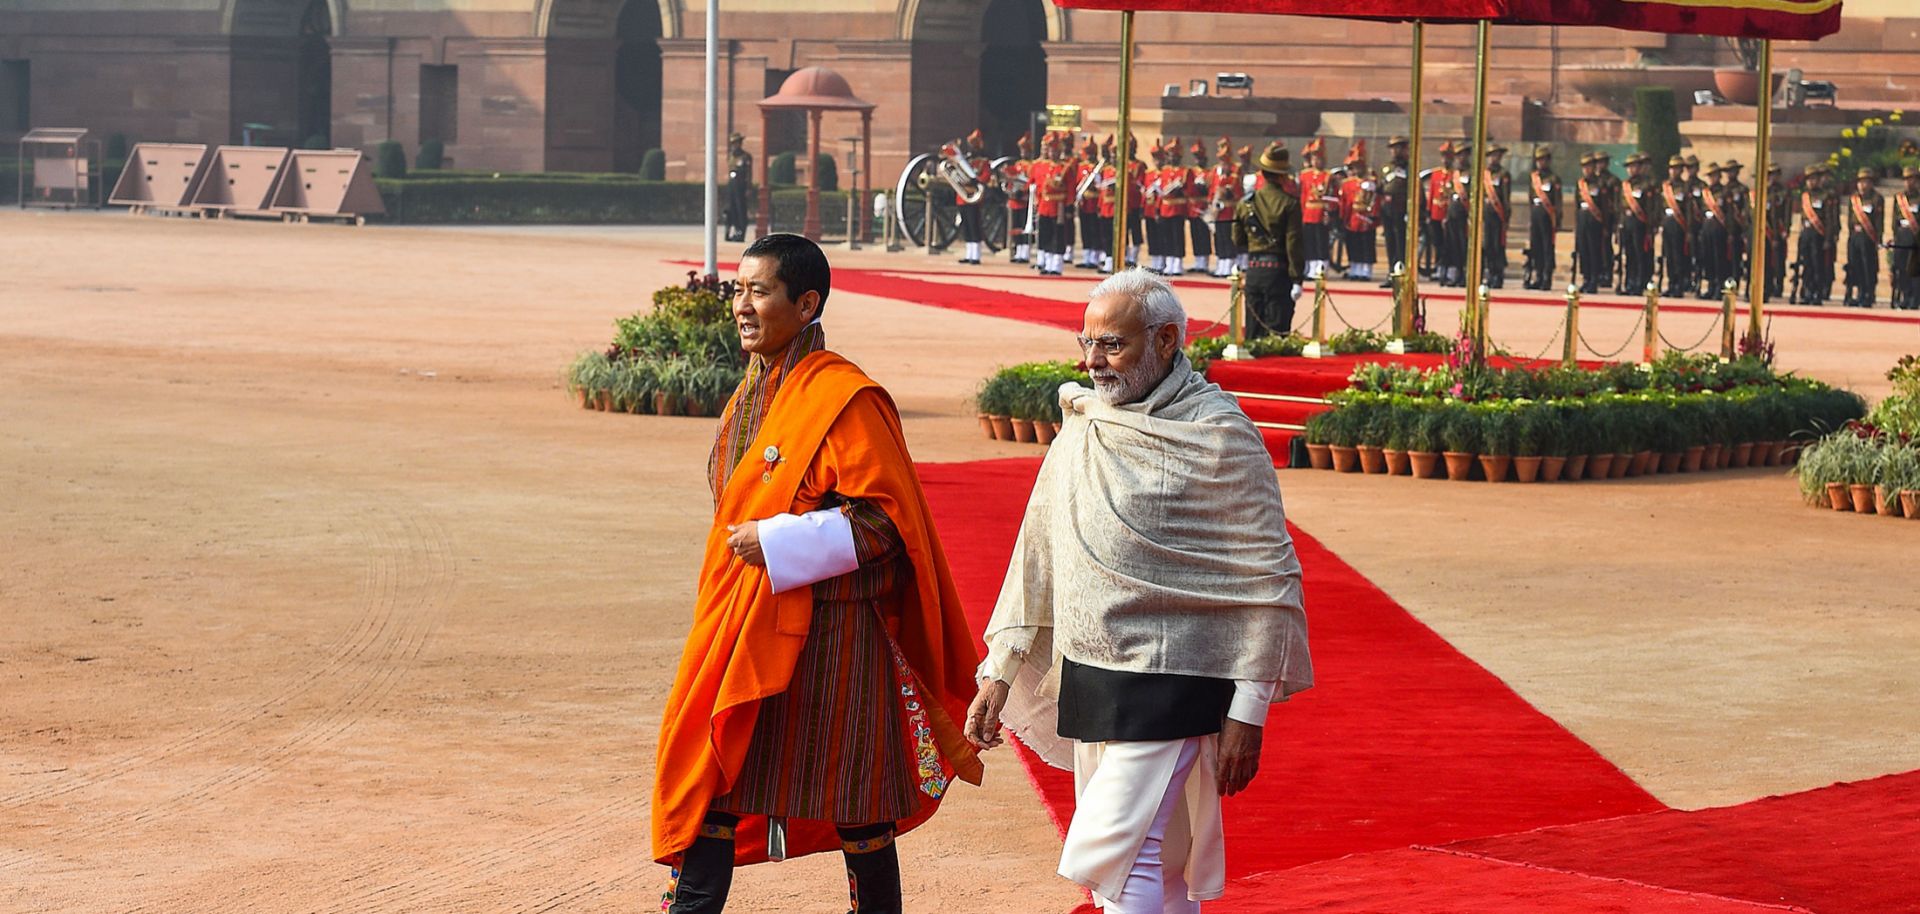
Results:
983 717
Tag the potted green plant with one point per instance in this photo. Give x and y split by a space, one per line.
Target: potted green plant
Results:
1530 428
1343 433
1375 420
1496 439
1401 419
668 382
1424 439
1601 436
1900 476
1319 452
1862 469
1896 462
1461 436
995 400
1818 474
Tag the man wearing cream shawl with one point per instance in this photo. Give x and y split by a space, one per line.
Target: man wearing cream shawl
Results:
813 709
1151 613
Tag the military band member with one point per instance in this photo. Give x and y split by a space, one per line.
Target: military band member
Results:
739 186
973 149
1395 183
1816 279
1108 188
1547 198
1150 208
1136 206
1174 177
1497 189
1611 190
1224 190
1866 226
1086 186
1435 194
1458 222
1906 234
1250 181
1359 212
1051 176
1315 216
1714 240
1739 205
1676 227
1198 193
1267 225
1779 222
1640 201
1020 193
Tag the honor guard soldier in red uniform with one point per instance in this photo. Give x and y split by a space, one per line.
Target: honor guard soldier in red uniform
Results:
1199 234
1107 189
1359 212
1434 194
1459 222
1136 203
1640 219
1497 195
1902 261
1052 175
1866 226
1173 210
1224 190
1150 208
1316 217
1547 197
1267 226
1086 191
1020 192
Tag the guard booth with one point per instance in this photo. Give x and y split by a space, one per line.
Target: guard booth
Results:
161 177
240 181
326 184
62 164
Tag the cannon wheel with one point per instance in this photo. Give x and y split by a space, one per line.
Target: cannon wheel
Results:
993 217
910 203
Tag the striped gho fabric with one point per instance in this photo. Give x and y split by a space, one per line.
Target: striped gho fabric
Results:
747 411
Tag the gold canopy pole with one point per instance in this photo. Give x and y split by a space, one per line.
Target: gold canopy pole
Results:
1123 144
1416 195
1757 218
1476 207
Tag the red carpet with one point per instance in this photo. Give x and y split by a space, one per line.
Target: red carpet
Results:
1404 741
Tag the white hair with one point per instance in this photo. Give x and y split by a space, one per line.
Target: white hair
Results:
1151 294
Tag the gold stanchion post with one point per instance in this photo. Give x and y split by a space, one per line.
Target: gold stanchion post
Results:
1726 317
1319 316
1651 346
1476 208
1572 350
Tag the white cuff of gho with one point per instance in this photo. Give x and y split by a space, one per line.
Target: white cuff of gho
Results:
1250 701
999 665
807 548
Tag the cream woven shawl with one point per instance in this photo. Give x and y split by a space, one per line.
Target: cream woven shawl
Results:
1154 542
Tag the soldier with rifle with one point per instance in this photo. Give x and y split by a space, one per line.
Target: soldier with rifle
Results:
1637 225
1224 190
1497 192
1813 268
1315 218
1335 215
739 186
1199 194
1267 225
1173 211
1018 183
1547 197
1589 226
1904 261
1696 189
1137 172
1458 223
1359 213
1866 226
1394 186
1434 184
1609 198
1107 187
1739 203
1086 205
1778 222
1714 238
1676 228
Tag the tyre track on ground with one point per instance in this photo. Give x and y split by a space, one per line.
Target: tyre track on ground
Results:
409 583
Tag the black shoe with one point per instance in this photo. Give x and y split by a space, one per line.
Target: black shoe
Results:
705 874
873 869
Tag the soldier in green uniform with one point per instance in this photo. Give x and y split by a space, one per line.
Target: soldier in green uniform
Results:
1779 220
739 184
1266 225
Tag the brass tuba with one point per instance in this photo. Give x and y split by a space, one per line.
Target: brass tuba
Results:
957 171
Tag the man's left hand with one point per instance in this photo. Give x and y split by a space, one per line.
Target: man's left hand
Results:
745 542
1239 757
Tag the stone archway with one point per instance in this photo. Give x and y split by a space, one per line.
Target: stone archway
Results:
604 86
281 73
1013 70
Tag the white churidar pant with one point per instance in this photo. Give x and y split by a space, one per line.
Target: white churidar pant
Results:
1146 834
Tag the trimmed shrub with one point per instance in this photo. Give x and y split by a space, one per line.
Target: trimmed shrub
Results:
390 160
653 165
432 155
780 170
827 171
1659 120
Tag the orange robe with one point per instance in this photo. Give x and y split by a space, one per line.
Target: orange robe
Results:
746 639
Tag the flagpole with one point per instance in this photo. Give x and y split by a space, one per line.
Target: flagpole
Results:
1476 207
1416 194
1757 218
712 189
1123 166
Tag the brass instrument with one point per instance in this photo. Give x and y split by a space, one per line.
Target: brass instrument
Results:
1219 199
958 172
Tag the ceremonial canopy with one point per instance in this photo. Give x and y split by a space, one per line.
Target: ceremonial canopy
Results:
1787 19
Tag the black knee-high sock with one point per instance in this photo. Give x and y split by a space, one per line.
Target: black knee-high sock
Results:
873 868
705 875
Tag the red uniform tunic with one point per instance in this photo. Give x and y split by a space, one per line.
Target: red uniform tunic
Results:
1313 188
1438 193
1359 204
1050 177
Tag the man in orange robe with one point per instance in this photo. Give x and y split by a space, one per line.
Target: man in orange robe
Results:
815 701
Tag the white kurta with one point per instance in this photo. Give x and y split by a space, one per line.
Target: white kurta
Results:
1121 788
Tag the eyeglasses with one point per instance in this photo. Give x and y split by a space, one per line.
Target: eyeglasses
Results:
1111 344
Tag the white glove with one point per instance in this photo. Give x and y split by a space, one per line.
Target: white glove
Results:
1295 294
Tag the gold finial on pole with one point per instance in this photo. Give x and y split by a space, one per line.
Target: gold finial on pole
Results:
1651 345
1572 350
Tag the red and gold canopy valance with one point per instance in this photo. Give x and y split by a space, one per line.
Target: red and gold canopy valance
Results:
1803 20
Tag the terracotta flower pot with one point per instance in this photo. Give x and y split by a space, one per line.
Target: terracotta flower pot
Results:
1550 468
1778 453
1003 428
1023 431
1726 456
1494 466
1691 460
1743 454
1711 459
1526 469
1043 432
665 404
1839 498
1599 466
1621 464
1670 463
1884 506
1424 463
1459 465
1741 86
1345 459
1576 467
986 425
1862 497
1397 462
585 397
603 401
1056 429
1644 462
1910 503
1372 460
1320 456
1790 454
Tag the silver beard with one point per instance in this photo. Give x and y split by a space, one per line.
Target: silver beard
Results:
1127 386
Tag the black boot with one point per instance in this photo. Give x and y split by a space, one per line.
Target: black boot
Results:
873 868
705 875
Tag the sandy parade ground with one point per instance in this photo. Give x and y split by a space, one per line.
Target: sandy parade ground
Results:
320 597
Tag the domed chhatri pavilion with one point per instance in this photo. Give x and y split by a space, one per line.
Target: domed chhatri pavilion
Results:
591 85
815 91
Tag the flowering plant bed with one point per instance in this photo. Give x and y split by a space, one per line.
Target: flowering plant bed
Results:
1871 466
680 358
1204 350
